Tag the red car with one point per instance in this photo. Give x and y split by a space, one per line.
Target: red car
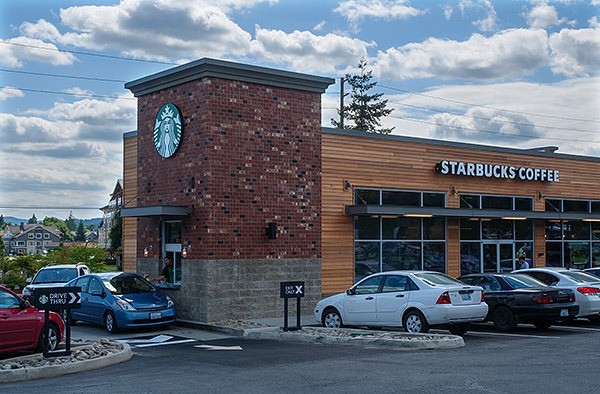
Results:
21 325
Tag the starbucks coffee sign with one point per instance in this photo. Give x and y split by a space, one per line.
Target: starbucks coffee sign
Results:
167 130
497 171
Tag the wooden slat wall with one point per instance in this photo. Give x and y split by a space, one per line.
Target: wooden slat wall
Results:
372 162
129 198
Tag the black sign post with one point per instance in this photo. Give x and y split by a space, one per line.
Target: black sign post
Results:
57 299
291 290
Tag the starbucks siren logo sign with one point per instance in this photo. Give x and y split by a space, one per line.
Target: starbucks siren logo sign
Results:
167 130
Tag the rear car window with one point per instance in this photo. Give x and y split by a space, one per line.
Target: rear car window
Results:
581 276
55 275
438 279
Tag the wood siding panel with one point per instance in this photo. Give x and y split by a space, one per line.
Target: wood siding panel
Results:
130 200
381 163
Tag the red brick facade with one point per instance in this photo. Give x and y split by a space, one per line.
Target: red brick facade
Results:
250 154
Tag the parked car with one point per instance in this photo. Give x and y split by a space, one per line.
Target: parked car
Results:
120 300
519 298
22 326
53 276
414 300
594 271
585 286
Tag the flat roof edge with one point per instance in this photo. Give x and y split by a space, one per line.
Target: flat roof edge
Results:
207 67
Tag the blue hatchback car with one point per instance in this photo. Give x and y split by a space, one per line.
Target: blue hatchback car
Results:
120 300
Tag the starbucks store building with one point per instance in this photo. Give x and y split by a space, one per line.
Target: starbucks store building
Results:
231 174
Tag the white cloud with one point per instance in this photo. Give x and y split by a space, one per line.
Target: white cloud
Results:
355 11
510 53
544 15
9 92
575 52
593 22
490 19
19 49
303 50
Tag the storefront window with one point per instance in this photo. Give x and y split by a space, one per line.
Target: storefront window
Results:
497 229
434 256
434 228
366 259
401 228
495 202
401 256
523 204
576 206
576 230
595 230
524 229
554 230
366 228
366 196
553 254
470 253
553 205
577 254
469 201
434 200
469 229
401 198
596 254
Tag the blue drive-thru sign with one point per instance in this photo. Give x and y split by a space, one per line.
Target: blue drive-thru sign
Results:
57 298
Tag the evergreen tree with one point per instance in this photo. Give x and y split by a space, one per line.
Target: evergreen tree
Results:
365 110
70 222
115 234
2 223
33 220
80 232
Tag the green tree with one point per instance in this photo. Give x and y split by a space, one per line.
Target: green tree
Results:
116 234
32 220
365 110
2 223
60 225
70 222
80 236
92 256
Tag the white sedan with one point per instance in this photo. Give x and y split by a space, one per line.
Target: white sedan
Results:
414 300
585 286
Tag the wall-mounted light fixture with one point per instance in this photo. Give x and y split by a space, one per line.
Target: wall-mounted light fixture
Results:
452 191
186 249
347 184
540 195
272 230
147 250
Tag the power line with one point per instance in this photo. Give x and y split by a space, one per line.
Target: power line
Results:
489 107
45 207
88 53
62 76
68 94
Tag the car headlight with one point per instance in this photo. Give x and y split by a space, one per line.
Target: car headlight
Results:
26 292
126 306
170 302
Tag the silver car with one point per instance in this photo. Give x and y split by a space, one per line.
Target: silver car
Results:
414 300
585 286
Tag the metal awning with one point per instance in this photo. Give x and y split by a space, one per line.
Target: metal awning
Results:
408 211
157 210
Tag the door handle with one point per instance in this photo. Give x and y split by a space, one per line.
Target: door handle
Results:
399 295
369 298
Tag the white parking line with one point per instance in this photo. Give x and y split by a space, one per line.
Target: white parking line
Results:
575 328
505 334
166 343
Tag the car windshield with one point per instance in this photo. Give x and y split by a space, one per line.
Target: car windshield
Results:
55 275
523 281
438 279
128 285
581 277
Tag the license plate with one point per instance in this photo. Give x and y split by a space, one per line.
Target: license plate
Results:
465 297
155 315
564 312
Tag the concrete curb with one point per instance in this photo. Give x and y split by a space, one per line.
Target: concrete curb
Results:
357 337
17 375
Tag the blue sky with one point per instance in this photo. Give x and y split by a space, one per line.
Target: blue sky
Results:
506 73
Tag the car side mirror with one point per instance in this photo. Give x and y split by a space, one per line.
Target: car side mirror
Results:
25 304
98 294
28 280
351 291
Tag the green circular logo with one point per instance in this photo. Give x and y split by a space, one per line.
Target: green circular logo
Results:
167 130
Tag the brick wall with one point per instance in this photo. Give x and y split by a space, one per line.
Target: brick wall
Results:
249 155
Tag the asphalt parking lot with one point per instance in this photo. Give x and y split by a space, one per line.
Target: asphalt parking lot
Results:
560 359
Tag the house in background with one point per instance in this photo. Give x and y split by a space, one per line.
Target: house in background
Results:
109 211
30 239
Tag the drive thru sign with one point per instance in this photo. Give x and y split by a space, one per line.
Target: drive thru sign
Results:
57 299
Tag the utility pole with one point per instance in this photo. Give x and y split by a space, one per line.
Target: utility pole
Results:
342 103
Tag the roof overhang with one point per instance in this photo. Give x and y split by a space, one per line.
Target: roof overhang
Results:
157 210
407 211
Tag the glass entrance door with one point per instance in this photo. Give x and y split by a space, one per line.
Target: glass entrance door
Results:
172 246
498 256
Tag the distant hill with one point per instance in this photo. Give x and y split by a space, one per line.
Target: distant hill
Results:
16 221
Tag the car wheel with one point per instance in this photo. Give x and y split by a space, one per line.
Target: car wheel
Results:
415 322
459 328
332 319
110 323
53 338
542 325
504 319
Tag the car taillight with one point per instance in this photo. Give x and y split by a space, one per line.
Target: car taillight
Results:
588 290
482 297
545 299
444 298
